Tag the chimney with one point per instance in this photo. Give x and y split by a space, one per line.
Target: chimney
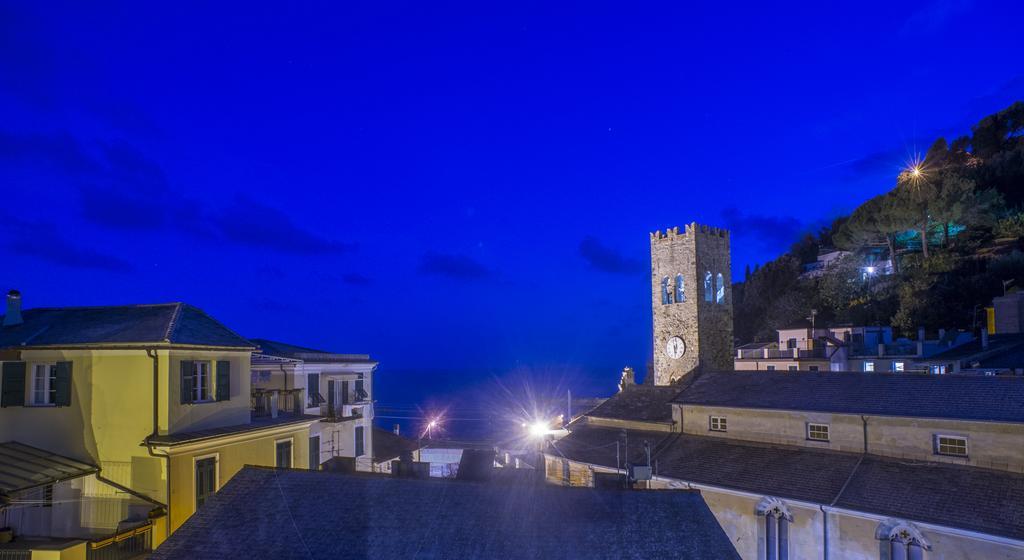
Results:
397 428
984 338
13 316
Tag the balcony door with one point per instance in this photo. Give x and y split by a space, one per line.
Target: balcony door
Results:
331 399
344 393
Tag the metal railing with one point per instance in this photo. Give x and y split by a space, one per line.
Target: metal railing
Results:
122 546
15 554
289 401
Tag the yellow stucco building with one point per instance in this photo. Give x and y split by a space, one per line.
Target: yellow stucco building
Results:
156 397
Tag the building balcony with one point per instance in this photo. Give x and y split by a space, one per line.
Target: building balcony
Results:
271 403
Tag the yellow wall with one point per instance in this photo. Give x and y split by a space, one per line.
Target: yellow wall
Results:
990 444
231 457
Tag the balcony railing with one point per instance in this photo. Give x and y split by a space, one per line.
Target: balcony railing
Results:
132 543
273 402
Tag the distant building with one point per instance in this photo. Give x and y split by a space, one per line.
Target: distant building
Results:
389 447
844 348
289 380
333 515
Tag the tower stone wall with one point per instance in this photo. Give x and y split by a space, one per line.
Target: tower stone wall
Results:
701 320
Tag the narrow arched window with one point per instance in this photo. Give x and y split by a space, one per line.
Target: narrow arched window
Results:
680 289
666 295
719 289
904 541
708 288
777 519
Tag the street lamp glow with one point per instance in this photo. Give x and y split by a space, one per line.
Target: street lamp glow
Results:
539 429
915 171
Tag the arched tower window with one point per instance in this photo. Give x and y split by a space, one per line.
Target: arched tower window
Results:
680 289
777 519
708 288
903 540
719 289
666 295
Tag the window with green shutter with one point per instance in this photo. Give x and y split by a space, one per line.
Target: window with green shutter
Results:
13 380
223 380
186 381
62 384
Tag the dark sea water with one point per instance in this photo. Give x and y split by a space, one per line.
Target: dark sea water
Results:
476 406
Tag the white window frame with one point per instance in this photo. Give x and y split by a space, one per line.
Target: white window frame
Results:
868 366
201 383
938 445
769 367
48 384
216 476
898 367
828 431
721 422
291 450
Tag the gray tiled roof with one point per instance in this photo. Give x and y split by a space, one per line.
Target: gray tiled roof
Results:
291 351
997 344
166 323
389 445
23 467
649 403
597 445
286 514
983 500
211 433
959 397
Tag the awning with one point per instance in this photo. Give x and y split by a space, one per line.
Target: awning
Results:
23 467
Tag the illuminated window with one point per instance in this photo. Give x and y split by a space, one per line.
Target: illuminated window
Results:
937 370
955 446
817 432
707 286
869 366
897 366
666 297
720 288
718 424
680 289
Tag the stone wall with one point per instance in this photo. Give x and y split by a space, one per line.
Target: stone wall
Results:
704 326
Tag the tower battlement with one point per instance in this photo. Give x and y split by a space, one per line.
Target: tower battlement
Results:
692 228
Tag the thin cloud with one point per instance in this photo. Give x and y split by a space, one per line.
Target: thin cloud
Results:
460 267
251 223
42 241
769 230
604 258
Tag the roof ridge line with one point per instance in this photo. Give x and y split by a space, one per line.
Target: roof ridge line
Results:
173 322
848 479
75 307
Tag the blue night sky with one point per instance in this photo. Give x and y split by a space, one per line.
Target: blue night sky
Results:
463 191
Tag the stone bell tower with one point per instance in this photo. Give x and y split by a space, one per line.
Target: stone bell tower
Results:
691 296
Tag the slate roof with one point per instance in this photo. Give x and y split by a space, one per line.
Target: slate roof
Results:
268 513
211 433
23 467
997 344
972 498
958 397
983 500
648 403
165 323
389 445
798 473
596 445
293 352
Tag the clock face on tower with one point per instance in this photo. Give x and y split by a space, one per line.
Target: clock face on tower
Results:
675 348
